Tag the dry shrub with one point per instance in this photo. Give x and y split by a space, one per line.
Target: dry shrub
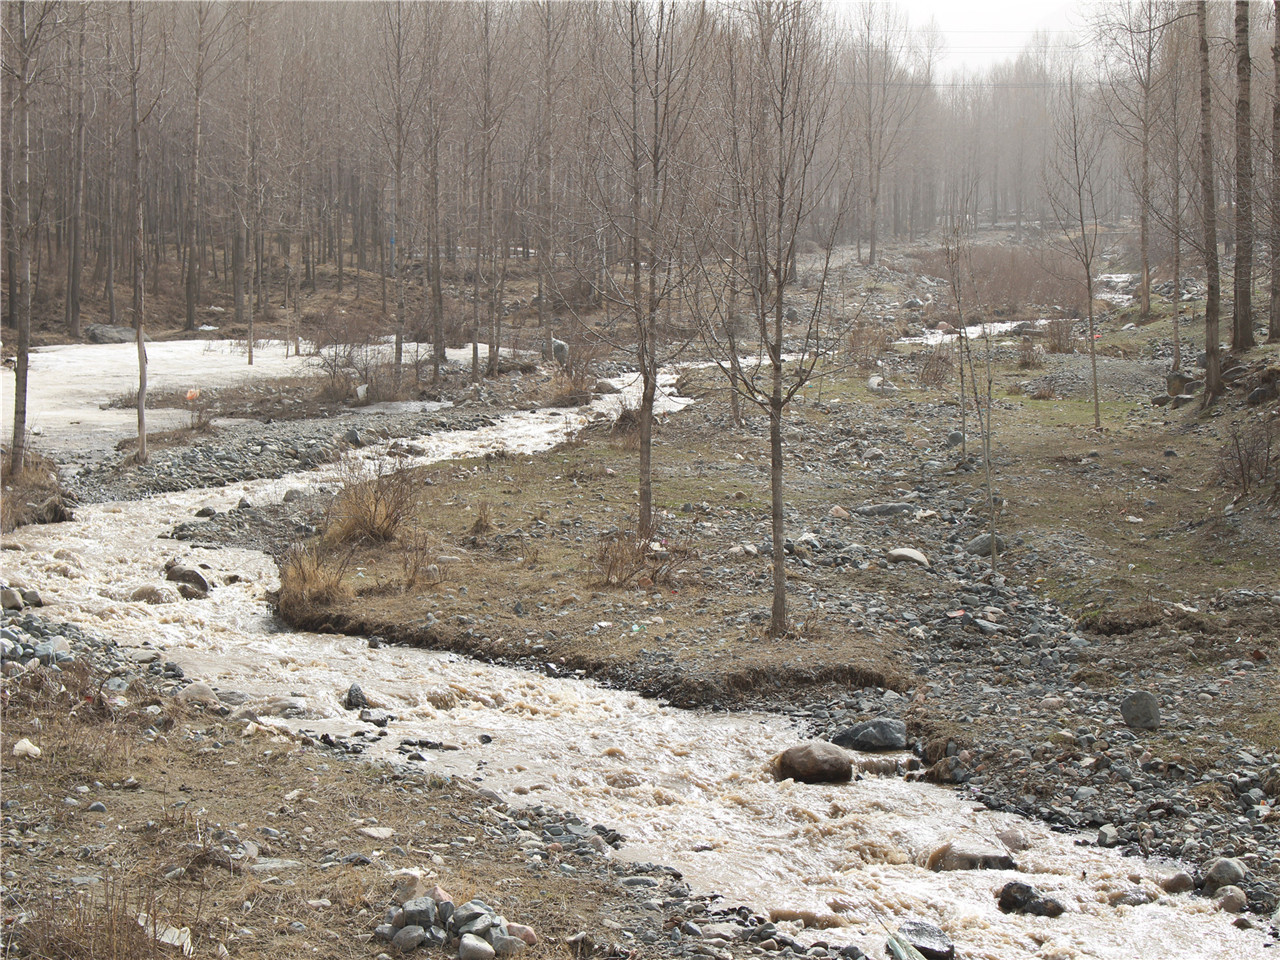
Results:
867 343
1015 281
1059 338
484 518
312 576
619 559
416 564
1250 456
1030 355
938 366
33 494
1044 392
373 503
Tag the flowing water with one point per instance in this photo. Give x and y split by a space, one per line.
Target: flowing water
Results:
688 789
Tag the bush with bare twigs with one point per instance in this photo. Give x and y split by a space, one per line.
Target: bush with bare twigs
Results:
620 559
1030 354
373 503
1060 337
1015 281
1250 457
867 343
938 365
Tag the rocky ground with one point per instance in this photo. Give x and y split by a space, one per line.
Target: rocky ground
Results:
1115 674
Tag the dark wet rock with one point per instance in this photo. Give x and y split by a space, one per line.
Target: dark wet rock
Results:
883 733
927 938
1020 897
355 698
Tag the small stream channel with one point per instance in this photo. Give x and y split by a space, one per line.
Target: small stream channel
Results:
686 788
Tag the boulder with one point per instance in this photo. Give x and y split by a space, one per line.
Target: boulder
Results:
1176 381
980 546
1141 711
907 555
177 572
152 593
1223 872
355 698
107 333
420 911
883 733
472 947
10 599
883 509
409 938
1180 882
928 939
955 438
968 855
1019 897
815 762
1231 899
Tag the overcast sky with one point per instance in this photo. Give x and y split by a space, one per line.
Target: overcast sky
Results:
979 33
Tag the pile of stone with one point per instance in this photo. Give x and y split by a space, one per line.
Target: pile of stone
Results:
474 929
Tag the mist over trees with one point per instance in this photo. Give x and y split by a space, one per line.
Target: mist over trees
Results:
662 169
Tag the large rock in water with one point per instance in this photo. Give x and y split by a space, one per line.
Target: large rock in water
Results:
883 733
1019 897
969 855
815 762
1141 710
1223 872
928 939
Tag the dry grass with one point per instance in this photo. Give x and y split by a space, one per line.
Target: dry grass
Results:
372 505
312 576
184 791
32 495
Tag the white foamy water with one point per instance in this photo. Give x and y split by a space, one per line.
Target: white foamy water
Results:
687 789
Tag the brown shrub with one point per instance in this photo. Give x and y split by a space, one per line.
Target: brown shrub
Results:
1030 355
373 503
867 343
1014 281
1059 337
1250 456
33 495
938 366
311 576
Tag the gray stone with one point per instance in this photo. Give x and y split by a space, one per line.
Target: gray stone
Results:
107 333
1180 882
10 599
1109 836
31 598
1231 899
1141 711
882 733
928 939
355 698
882 509
472 947
505 946
980 546
1223 872
955 438
815 762
408 937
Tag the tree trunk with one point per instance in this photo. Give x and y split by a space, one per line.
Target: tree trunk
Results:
139 226
1208 216
1242 318
76 231
1273 327
23 235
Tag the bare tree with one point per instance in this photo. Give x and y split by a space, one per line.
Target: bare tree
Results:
1242 315
75 227
1075 194
777 104
28 27
1273 326
1208 214
890 76
1130 34
651 106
